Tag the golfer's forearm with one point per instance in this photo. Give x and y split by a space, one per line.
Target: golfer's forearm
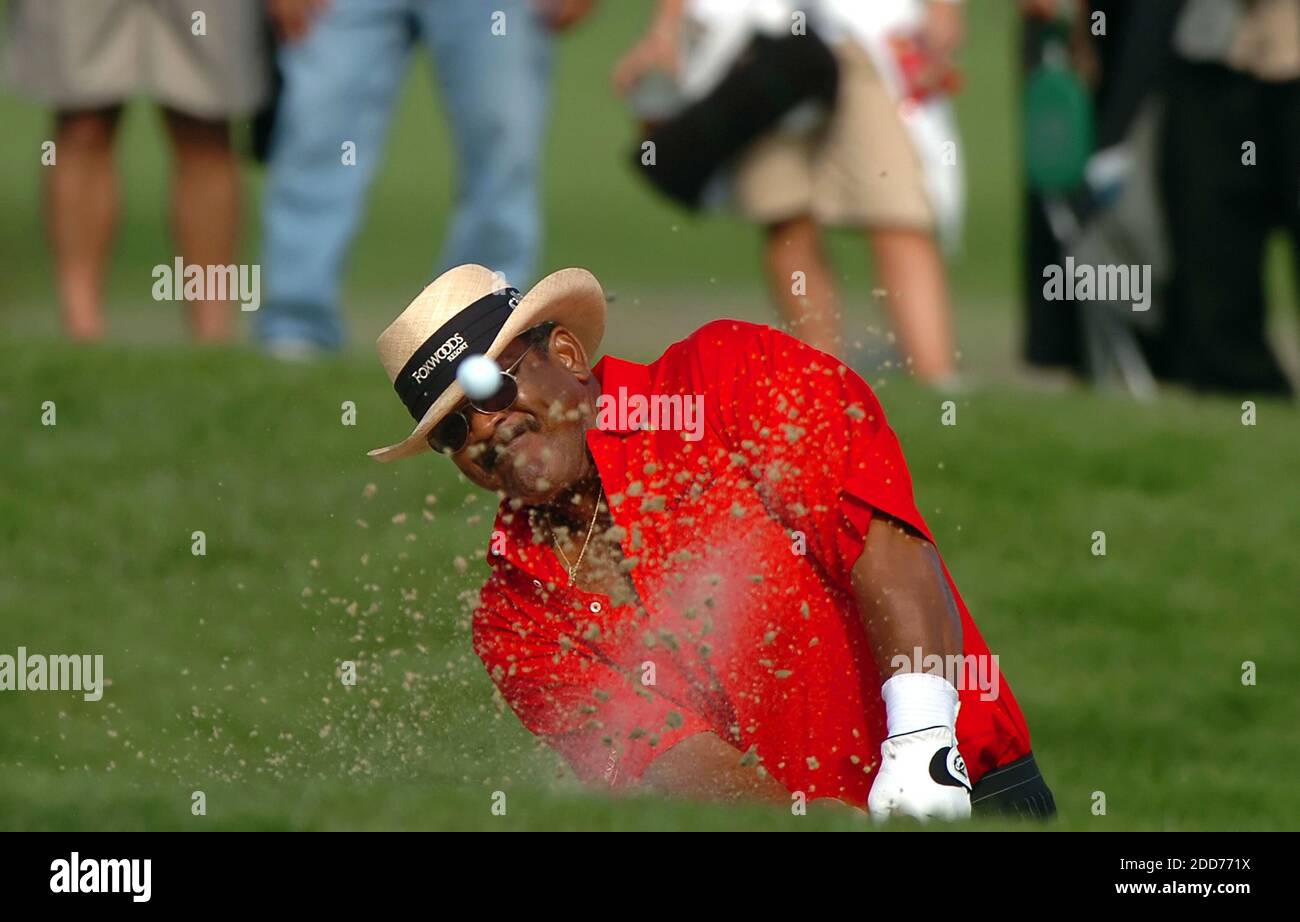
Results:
704 767
904 600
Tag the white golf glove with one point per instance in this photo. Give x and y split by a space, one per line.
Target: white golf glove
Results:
922 774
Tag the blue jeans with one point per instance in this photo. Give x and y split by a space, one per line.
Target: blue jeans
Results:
340 84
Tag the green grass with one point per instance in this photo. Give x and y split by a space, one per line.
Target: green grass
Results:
223 666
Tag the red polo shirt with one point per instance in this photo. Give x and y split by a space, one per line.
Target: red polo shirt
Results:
741 545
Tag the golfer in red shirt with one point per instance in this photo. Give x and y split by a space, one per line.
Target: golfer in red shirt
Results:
709 575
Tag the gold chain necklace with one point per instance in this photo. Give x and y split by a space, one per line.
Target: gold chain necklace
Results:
573 567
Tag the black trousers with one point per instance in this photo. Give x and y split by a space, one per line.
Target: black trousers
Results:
1220 214
1014 789
1132 61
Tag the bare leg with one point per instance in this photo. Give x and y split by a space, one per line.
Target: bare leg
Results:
81 214
801 283
911 270
205 209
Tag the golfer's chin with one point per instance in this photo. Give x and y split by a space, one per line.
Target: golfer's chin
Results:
528 477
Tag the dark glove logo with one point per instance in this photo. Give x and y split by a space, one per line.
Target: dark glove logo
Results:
947 767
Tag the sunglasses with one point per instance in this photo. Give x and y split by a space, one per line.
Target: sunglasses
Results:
452 434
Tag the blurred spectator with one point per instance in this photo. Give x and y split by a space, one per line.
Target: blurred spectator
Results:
86 58
1225 77
1231 168
877 164
1117 71
343 62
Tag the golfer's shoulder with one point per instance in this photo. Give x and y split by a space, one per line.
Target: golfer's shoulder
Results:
727 333
727 346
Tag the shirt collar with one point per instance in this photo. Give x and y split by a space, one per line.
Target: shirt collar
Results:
614 374
535 559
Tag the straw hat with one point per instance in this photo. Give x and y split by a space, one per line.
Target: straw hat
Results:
468 311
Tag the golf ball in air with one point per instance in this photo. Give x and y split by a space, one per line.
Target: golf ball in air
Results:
479 377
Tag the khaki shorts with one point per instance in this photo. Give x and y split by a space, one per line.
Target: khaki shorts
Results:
859 170
83 54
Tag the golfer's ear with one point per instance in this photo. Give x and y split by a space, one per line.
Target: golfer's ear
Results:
565 349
